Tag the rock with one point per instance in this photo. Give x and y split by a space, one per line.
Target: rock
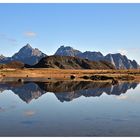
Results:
72 77
20 80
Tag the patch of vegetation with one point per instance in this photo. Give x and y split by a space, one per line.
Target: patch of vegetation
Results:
100 77
85 77
12 65
126 77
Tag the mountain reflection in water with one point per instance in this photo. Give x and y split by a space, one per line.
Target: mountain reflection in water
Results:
66 90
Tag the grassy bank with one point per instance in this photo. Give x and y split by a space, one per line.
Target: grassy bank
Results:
65 74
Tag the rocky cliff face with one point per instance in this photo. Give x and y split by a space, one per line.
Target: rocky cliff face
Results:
121 61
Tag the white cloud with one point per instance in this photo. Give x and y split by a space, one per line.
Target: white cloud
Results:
122 51
29 113
30 34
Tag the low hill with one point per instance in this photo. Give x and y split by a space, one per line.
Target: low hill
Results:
69 62
12 65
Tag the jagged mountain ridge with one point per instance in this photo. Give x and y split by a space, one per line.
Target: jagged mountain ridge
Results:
93 56
121 61
118 60
30 56
26 55
67 51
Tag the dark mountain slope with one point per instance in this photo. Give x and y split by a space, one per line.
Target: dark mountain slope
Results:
69 62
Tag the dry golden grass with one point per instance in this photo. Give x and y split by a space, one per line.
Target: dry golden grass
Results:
65 73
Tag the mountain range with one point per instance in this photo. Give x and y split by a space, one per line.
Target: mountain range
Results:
31 56
118 60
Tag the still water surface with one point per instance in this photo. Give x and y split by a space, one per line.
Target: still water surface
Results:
69 109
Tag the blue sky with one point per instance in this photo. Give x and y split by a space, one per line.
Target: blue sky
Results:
109 28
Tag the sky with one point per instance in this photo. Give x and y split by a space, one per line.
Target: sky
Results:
108 28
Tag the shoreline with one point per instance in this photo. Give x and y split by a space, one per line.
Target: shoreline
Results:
48 74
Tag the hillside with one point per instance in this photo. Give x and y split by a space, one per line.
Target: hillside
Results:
69 62
13 65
